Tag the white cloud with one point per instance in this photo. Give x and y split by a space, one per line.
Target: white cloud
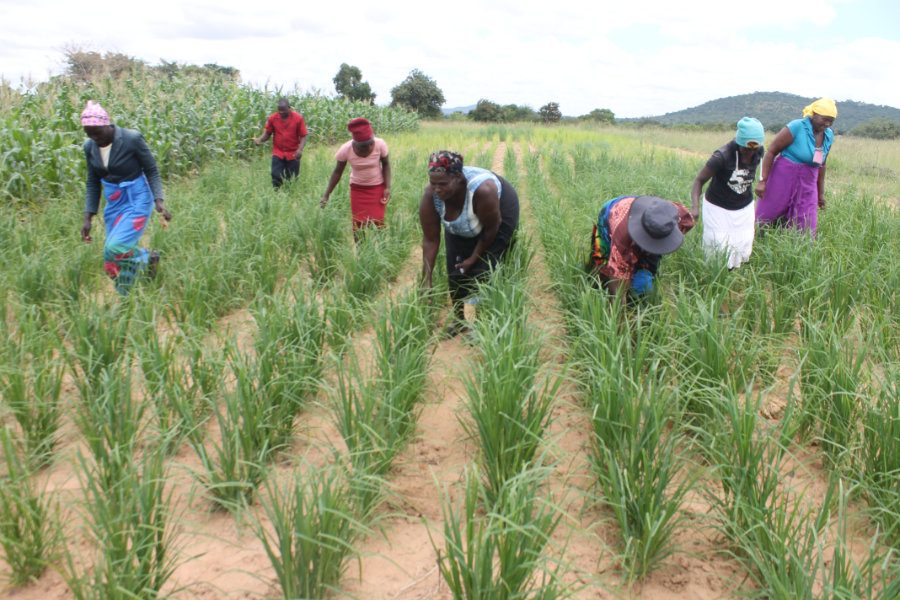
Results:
583 56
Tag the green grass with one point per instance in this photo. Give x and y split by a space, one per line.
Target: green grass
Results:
28 533
310 531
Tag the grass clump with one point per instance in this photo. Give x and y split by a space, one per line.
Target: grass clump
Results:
28 533
311 532
500 552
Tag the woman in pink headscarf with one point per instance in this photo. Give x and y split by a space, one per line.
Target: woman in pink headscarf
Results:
121 161
370 174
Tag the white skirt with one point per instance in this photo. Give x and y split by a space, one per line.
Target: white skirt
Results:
728 232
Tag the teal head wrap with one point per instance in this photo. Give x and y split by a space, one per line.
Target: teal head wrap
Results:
749 130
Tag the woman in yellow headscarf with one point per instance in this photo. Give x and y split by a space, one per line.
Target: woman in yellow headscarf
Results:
791 188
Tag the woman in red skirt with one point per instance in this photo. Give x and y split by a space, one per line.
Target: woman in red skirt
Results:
370 175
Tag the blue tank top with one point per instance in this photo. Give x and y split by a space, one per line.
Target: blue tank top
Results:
467 224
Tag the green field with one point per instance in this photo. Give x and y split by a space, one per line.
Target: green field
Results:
275 416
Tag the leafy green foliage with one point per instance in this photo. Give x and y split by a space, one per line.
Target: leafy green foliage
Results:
880 128
550 112
350 86
420 93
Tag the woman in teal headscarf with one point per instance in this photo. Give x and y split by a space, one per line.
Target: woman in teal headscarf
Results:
728 212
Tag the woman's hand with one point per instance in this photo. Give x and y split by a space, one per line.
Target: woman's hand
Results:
86 229
760 189
323 201
387 196
162 210
463 266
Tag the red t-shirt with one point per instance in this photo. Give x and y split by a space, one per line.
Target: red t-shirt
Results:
286 134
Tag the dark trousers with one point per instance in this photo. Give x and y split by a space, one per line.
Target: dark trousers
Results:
283 169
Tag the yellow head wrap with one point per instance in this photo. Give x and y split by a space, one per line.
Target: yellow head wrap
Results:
823 106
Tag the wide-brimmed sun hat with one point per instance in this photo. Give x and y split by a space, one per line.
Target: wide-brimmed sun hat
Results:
653 225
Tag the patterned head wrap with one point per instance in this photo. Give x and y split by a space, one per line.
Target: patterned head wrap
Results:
445 161
823 106
93 115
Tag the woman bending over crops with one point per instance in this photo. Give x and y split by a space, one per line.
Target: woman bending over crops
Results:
792 177
120 159
629 238
370 174
479 211
728 215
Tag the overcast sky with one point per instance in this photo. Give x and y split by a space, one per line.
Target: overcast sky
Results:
635 57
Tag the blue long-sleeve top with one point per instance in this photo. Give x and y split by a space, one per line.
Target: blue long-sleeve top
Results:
129 158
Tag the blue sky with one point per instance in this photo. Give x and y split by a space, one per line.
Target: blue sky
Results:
637 58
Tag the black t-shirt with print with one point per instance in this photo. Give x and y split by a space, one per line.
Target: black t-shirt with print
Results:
731 186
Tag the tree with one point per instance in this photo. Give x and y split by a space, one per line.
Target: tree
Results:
878 128
349 84
84 64
486 110
550 112
602 115
517 114
420 93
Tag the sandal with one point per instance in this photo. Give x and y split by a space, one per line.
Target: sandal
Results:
153 264
454 329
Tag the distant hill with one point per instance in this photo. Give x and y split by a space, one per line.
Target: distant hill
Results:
456 109
774 109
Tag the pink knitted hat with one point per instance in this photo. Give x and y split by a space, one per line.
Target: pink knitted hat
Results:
94 115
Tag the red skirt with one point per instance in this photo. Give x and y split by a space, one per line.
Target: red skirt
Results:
366 206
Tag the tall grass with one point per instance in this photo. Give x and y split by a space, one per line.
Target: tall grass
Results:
130 525
28 533
643 481
500 553
312 531
508 406
877 462
31 385
832 374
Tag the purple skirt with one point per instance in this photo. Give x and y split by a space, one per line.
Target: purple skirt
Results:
791 196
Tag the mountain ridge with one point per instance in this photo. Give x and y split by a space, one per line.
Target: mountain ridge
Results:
774 109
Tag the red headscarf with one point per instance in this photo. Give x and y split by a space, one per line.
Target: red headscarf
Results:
361 130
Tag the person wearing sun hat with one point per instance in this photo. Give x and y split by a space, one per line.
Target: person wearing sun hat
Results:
630 236
370 174
791 187
120 163
728 211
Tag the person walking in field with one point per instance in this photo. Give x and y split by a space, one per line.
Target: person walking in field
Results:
791 187
728 212
479 212
120 163
631 235
289 131
370 174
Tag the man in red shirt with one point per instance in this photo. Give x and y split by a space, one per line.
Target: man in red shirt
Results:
287 147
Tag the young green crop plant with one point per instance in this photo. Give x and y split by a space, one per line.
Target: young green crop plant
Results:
500 552
28 533
311 532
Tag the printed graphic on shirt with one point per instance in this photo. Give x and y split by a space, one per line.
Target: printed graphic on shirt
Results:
740 181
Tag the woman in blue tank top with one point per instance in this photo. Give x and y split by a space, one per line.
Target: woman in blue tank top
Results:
478 211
